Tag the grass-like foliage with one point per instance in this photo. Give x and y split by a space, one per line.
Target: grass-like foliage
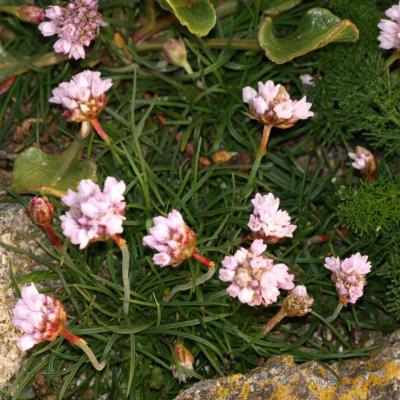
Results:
154 111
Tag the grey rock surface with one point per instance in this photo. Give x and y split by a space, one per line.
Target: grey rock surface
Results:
374 378
16 230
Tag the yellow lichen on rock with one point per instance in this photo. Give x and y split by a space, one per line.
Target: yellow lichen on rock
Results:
360 386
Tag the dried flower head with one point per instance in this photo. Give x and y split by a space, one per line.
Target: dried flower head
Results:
184 364
38 316
83 96
297 303
363 160
174 241
94 214
349 276
268 222
272 105
256 280
41 211
389 36
76 25
177 54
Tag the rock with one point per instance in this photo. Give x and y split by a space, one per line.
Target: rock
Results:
16 230
376 378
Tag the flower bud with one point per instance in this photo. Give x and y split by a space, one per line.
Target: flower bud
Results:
297 303
40 211
30 14
184 364
222 156
177 55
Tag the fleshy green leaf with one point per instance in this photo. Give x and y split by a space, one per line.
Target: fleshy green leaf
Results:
38 172
198 16
277 6
318 28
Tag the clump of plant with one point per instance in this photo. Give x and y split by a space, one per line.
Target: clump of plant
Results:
371 208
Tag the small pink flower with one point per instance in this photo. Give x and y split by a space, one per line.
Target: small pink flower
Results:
254 278
307 80
174 241
83 96
300 291
272 105
38 317
268 222
389 37
94 214
76 25
349 276
364 161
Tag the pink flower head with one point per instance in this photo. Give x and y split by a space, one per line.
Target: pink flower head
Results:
94 214
173 240
83 96
349 276
389 36
76 25
255 278
272 105
38 316
268 222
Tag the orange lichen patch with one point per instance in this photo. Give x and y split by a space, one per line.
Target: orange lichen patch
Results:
221 392
323 392
360 386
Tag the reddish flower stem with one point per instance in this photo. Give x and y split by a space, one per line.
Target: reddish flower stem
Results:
77 341
99 130
275 320
52 235
202 259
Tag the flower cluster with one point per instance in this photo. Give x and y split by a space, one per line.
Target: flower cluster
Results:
172 239
256 280
268 222
38 316
389 37
94 214
272 105
83 96
76 25
349 276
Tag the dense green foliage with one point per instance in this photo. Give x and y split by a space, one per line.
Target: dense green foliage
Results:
153 113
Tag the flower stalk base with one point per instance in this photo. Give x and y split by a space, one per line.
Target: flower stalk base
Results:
121 243
99 130
262 150
275 320
77 341
203 260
